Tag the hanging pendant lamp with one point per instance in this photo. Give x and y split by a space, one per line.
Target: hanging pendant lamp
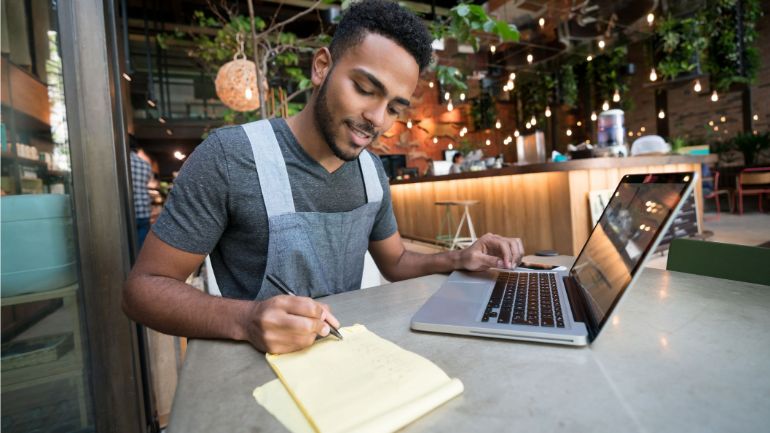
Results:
236 82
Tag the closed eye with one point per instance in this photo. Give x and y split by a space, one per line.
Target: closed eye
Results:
361 90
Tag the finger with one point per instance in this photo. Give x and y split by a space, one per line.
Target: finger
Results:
328 316
519 251
302 306
489 261
301 325
502 249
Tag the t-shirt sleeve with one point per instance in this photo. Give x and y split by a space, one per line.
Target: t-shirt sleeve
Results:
385 223
196 212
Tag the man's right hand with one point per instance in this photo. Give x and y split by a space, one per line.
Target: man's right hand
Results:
284 323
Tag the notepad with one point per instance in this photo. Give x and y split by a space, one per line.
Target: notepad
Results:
361 384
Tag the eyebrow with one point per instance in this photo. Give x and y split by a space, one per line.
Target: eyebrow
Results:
381 87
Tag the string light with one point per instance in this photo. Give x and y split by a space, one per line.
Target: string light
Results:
716 128
151 103
605 106
409 123
711 123
435 140
126 77
450 147
162 119
509 139
547 111
488 142
589 58
528 125
449 106
650 18
446 96
642 129
430 84
169 132
697 87
601 44
569 132
593 116
756 117
179 155
516 133
541 21
510 85
462 96
722 119
630 134
661 114
533 121
530 58
653 74
512 76
498 125
579 123
714 96
492 48
616 96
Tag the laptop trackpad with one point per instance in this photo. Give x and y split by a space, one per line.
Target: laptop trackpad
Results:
486 277
455 302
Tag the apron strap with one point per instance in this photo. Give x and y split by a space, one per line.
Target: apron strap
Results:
271 168
371 179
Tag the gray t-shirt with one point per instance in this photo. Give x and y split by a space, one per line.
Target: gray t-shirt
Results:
216 205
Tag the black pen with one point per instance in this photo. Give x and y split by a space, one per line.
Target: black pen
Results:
275 281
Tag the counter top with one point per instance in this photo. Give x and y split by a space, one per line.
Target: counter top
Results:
575 164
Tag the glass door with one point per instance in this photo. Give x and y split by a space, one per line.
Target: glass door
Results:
45 367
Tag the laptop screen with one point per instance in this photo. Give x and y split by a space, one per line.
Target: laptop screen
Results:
638 209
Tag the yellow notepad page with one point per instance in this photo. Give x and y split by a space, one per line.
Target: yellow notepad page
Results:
361 384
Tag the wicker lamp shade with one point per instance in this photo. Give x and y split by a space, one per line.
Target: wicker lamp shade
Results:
236 85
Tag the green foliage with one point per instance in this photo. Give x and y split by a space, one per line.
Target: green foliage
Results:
680 44
723 56
483 111
750 145
467 21
568 86
451 79
604 70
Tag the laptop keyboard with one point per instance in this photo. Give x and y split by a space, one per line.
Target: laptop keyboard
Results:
525 298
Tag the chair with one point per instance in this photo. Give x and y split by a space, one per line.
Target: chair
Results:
716 193
720 260
758 180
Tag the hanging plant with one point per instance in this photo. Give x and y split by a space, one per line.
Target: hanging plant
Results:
605 71
483 111
680 45
723 55
466 23
568 86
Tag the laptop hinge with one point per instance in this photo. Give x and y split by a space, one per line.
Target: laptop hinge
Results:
578 306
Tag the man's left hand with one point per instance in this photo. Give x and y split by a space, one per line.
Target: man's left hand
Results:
492 251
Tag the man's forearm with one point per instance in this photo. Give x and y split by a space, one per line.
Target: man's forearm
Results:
176 308
413 265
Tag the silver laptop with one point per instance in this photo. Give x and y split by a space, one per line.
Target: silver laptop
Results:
558 305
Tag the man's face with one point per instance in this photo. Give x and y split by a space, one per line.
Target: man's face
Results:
363 94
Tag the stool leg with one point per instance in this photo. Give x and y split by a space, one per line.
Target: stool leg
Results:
457 234
470 225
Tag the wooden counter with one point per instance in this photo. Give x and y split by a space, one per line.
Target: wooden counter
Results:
544 204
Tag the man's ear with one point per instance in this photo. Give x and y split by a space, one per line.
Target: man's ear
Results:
321 66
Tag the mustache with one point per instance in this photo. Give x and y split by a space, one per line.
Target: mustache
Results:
365 127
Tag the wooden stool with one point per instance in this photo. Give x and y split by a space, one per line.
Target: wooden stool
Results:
446 237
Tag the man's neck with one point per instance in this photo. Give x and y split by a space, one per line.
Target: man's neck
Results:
308 135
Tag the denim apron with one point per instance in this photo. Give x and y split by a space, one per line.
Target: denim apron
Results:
314 253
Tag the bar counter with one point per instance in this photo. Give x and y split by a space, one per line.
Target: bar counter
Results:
544 204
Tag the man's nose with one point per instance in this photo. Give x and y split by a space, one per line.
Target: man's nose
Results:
377 115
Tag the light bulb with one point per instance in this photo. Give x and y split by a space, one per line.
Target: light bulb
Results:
492 48
488 142
630 134
533 120
510 85
449 106
569 132
512 76
430 84
650 18
756 117
593 116
714 96
162 119
605 106
446 96
711 123
653 75
509 138
661 114
589 58
530 58
716 128
528 125
498 125
601 44
697 88
722 119
126 77
462 96
642 129
616 96
151 103
547 111
516 133
450 147
579 123
409 123
435 140
248 93
464 130
541 21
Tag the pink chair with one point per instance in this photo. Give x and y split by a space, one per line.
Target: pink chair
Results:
758 181
716 193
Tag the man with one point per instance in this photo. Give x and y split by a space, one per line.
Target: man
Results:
141 173
299 198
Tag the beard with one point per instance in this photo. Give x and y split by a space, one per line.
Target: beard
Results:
325 123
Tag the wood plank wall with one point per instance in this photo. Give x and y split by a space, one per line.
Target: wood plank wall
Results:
547 210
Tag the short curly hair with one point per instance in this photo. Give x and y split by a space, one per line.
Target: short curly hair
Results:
385 18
